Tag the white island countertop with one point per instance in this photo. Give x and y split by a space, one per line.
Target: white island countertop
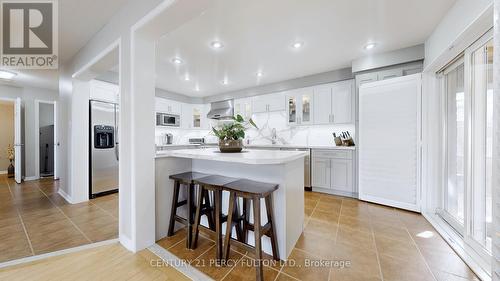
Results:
247 156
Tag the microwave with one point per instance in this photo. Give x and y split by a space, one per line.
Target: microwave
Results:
169 120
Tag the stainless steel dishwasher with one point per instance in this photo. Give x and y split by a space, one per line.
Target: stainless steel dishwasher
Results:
307 164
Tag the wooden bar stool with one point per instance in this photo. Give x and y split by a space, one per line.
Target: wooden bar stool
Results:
254 191
214 184
187 179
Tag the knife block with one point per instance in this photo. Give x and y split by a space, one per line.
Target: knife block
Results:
348 142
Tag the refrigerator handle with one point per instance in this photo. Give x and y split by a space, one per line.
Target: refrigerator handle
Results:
117 153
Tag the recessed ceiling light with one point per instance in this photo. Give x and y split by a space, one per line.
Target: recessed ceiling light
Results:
176 60
297 45
259 74
217 45
370 46
7 75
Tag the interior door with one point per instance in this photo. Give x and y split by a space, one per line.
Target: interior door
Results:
18 141
56 142
389 142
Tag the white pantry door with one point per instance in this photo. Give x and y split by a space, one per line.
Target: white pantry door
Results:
18 142
389 142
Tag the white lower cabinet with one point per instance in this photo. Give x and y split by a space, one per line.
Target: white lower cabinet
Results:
341 175
333 172
321 172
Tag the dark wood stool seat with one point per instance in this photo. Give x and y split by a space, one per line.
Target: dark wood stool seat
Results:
253 191
215 184
187 179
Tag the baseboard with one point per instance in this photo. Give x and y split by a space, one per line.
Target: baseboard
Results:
127 243
3 172
65 196
391 203
335 192
34 178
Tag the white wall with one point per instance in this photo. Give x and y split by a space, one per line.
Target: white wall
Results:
455 22
28 96
117 28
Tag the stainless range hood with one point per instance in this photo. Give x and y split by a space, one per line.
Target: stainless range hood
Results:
221 110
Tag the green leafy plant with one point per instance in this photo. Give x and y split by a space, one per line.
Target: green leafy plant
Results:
235 130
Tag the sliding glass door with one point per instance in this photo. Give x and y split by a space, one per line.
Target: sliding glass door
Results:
467 186
454 187
481 59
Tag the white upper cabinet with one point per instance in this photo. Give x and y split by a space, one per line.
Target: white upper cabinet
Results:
268 103
168 106
323 104
299 106
243 107
343 102
194 116
334 103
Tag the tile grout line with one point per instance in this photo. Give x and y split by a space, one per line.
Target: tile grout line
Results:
236 264
22 221
420 252
107 212
66 216
377 253
336 234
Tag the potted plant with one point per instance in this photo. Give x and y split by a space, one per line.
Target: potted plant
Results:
231 134
10 156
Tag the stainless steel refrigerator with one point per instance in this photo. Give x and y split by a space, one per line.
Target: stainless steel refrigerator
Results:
103 148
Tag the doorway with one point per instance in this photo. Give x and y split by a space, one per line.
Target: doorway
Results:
46 139
7 137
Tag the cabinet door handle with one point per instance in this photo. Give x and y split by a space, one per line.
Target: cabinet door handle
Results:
333 118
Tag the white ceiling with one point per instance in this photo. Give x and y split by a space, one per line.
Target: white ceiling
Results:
257 36
79 20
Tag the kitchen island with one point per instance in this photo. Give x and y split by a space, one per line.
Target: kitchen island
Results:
285 168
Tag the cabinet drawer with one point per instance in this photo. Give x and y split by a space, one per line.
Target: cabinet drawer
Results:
340 154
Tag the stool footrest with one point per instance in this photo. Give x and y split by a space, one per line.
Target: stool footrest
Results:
264 229
181 203
181 220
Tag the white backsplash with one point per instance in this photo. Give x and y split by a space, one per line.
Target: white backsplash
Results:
294 135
